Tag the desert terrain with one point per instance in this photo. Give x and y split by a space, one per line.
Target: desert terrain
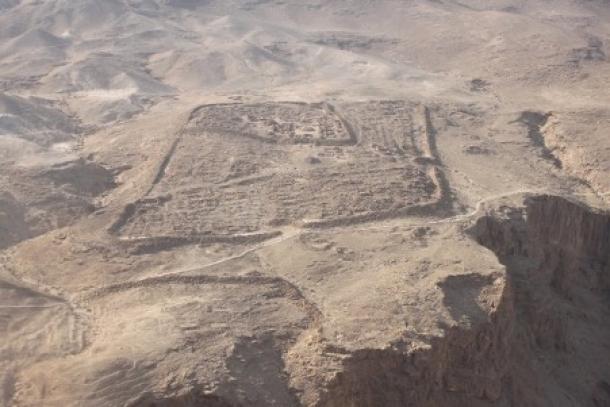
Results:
321 203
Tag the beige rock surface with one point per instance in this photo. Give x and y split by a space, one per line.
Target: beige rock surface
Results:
304 203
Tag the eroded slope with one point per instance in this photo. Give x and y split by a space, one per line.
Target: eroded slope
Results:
321 203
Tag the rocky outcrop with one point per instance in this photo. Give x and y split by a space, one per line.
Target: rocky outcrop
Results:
545 343
466 367
584 159
557 257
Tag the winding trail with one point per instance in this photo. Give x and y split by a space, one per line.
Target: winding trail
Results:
452 219
292 232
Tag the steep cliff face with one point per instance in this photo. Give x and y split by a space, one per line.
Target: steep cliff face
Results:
467 367
582 157
546 343
573 243
557 257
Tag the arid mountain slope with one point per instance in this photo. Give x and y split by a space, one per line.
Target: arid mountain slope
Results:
324 203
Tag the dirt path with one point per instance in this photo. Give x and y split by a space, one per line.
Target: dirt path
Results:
292 232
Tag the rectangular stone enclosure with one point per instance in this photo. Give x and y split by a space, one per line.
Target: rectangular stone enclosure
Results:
248 169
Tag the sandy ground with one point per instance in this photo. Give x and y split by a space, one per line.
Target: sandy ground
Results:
304 203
